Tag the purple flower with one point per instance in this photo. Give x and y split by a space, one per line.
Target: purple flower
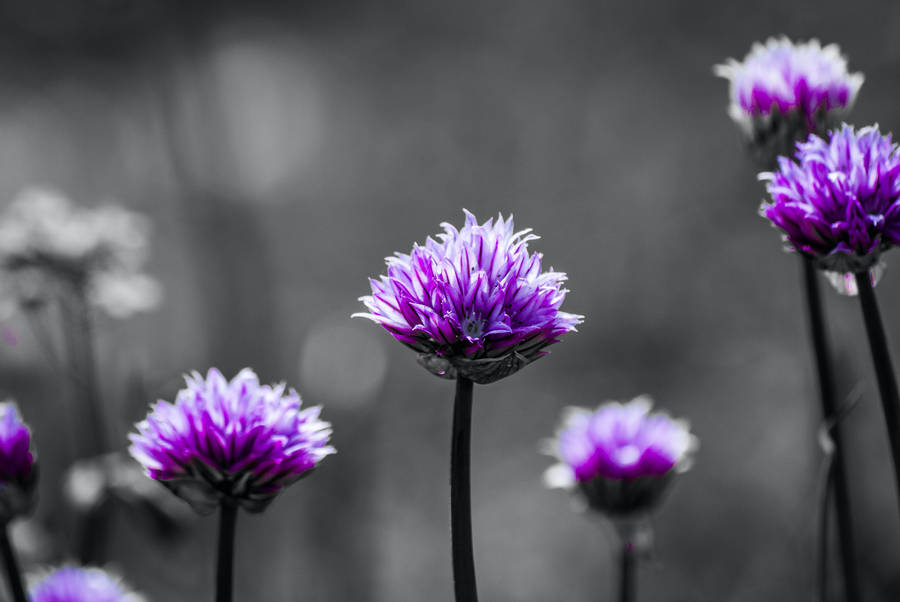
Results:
74 584
838 203
235 441
473 302
18 473
621 456
783 91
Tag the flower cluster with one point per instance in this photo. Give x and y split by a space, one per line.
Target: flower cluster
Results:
783 91
18 473
620 455
74 584
838 201
235 441
473 302
45 239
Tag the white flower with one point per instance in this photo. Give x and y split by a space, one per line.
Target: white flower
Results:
100 249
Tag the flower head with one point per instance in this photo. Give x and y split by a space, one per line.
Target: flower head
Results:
473 302
46 240
237 442
18 473
621 456
838 201
784 91
76 584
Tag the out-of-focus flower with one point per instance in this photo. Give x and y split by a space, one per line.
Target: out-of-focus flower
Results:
473 302
80 584
121 294
45 239
837 202
18 472
235 441
32 541
620 456
783 91
89 482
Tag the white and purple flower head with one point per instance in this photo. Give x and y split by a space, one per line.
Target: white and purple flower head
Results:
236 442
838 201
473 302
620 456
18 472
783 91
77 584
45 240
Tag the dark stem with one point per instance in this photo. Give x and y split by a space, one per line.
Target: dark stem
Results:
78 330
94 532
460 504
82 363
884 372
838 482
627 574
13 576
827 490
37 323
225 561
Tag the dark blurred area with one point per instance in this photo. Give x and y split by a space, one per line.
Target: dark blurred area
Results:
282 149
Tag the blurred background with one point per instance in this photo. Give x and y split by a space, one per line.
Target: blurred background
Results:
282 149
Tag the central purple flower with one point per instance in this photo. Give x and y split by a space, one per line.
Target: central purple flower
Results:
73 584
473 302
838 203
235 441
620 455
17 470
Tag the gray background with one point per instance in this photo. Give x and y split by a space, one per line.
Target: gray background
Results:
283 149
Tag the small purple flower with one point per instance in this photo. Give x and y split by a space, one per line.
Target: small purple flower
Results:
18 473
473 302
75 584
783 76
838 201
783 91
621 456
235 441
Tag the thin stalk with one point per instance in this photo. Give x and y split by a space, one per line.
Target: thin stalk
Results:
627 572
822 559
94 533
42 336
884 372
11 564
78 329
225 560
460 498
838 482
81 356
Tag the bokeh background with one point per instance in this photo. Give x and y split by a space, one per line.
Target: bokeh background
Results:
283 149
